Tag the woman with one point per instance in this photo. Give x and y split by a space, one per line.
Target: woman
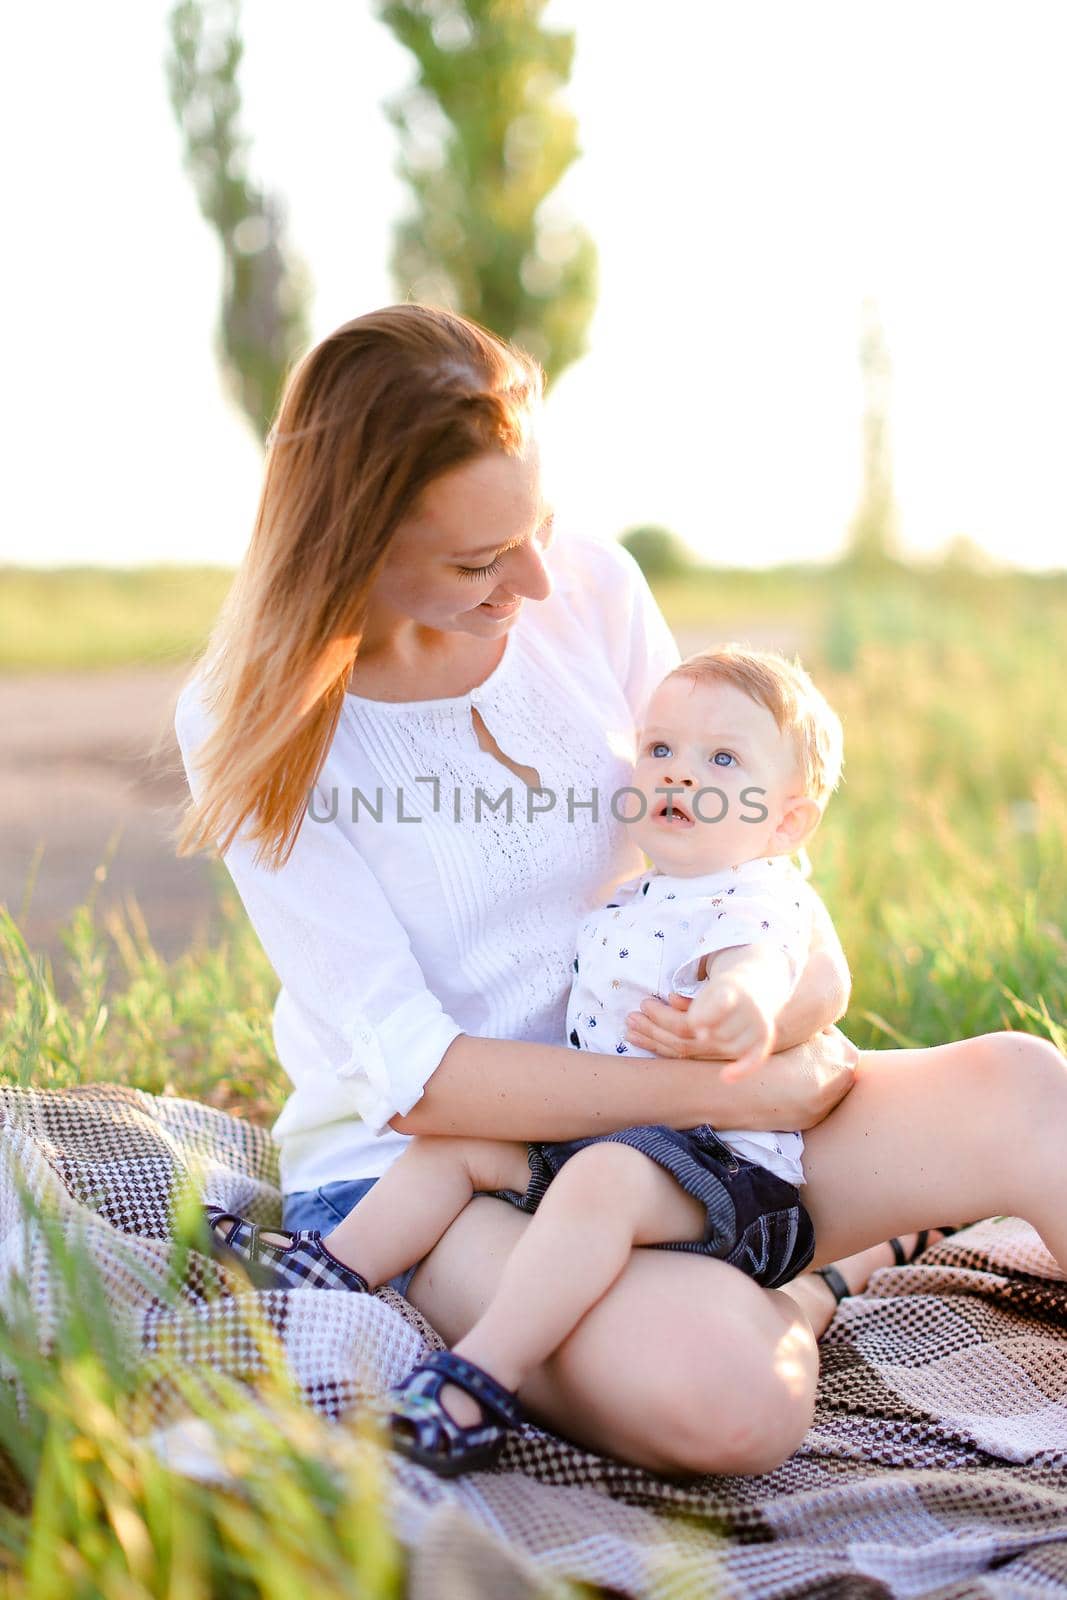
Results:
404 647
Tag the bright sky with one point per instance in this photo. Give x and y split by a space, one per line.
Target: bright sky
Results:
751 173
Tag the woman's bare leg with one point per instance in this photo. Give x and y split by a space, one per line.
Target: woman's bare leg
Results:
684 1365
919 1120
817 1300
970 1129
605 1200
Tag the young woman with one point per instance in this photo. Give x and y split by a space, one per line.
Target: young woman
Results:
405 738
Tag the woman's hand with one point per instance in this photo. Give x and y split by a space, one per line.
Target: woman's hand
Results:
800 1086
795 1088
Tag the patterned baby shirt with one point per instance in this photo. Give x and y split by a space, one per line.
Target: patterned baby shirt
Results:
650 939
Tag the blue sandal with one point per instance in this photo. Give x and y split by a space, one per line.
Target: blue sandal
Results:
303 1263
422 1429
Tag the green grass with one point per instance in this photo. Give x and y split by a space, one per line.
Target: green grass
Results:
199 1026
83 618
943 859
92 1509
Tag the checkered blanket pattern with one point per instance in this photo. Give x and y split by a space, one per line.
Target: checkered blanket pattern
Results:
935 1465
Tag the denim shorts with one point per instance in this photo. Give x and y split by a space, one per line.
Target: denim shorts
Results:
754 1219
325 1207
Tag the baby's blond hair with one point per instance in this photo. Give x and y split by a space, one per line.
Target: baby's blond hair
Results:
794 702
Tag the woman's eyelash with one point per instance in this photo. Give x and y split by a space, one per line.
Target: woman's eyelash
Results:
480 572
484 572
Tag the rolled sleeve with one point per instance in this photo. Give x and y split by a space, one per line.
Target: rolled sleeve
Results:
389 1065
356 1026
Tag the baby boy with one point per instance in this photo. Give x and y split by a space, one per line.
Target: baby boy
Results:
737 759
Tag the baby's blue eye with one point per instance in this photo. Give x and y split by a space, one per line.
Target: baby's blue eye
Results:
722 758
659 745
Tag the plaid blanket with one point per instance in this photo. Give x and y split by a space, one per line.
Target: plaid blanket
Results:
935 1465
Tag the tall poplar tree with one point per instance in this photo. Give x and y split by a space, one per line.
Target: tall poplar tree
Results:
263 320
485 139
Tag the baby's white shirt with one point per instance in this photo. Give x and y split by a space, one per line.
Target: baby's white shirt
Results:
650 939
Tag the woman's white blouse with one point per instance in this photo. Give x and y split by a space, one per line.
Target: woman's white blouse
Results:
413 907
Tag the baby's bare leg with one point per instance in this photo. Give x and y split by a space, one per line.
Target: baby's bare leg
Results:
608 1198
413 1204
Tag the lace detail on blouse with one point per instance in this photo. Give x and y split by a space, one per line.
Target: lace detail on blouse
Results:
519 883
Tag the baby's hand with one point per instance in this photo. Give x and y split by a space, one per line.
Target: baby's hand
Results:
728 1020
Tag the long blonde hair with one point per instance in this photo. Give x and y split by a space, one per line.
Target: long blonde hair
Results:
368 419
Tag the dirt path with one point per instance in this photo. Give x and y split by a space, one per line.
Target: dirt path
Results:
74 768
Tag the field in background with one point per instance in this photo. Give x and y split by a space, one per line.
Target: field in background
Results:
943 856
91 617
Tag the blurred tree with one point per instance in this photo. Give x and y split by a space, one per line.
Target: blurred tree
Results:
263 324
484 139
872 537
658 552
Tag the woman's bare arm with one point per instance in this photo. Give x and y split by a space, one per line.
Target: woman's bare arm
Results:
511 1089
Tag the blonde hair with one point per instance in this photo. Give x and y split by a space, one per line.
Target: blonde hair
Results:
368 419
792 699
